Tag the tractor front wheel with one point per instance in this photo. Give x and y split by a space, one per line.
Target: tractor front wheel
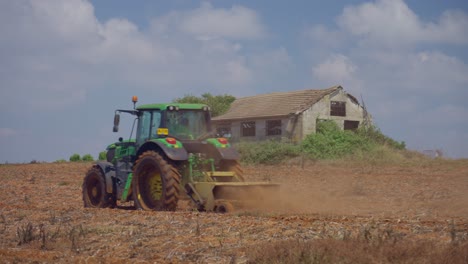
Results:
156 183
94 190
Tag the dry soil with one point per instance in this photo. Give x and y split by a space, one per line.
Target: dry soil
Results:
42 216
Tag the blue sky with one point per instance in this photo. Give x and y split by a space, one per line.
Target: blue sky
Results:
65 66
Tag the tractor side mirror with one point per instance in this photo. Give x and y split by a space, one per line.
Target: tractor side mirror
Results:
116 122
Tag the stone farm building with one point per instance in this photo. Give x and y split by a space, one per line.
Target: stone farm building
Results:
289 115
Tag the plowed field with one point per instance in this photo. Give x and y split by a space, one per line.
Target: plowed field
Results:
42 216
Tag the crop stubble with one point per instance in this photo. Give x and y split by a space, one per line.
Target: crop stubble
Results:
42 216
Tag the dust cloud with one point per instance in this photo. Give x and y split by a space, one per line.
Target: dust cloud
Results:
350 189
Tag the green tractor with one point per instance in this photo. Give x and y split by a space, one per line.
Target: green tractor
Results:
174 155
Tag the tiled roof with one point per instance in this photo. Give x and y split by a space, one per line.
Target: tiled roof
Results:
274 104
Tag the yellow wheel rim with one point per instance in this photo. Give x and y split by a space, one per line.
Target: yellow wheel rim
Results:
155 186
94 191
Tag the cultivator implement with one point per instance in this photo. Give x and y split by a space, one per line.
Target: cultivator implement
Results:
227 195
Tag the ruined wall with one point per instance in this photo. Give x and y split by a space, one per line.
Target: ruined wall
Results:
321 110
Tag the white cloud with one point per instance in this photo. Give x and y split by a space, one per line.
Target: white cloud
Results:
392 23
40 40
320 36
430 72
403 70
434 72
339 69
384 22
72 19
7 132
336 67
452 27
275 61
207 22
57 51
238 71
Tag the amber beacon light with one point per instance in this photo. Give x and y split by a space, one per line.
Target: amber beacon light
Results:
134 100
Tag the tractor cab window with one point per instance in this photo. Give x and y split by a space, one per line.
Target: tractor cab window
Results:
185 124
148 125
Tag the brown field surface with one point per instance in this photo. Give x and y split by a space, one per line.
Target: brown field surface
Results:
365 213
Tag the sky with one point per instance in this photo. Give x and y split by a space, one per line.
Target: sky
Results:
65 66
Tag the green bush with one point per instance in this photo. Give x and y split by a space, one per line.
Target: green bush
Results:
330 142
102 155
268 152
87 157
75 157
374 134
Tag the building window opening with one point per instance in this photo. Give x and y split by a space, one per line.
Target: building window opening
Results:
248 129
337 108
273 127
224 132
351 125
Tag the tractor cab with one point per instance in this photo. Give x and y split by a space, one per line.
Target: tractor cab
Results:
174 127
182 122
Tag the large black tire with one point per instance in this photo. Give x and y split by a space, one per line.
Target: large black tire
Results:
234 166
94 190
155 184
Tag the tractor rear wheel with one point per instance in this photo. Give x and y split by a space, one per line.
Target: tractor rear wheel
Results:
156 183
94 190
234 166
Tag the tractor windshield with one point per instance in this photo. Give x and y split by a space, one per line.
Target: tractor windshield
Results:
187 124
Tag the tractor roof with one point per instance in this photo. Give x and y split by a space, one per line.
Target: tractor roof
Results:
163 106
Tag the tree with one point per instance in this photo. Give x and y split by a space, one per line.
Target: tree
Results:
219 104
87 157
75 157
102 155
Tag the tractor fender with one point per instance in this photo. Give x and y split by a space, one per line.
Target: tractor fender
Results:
228 153
223 152
178 154
108 171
